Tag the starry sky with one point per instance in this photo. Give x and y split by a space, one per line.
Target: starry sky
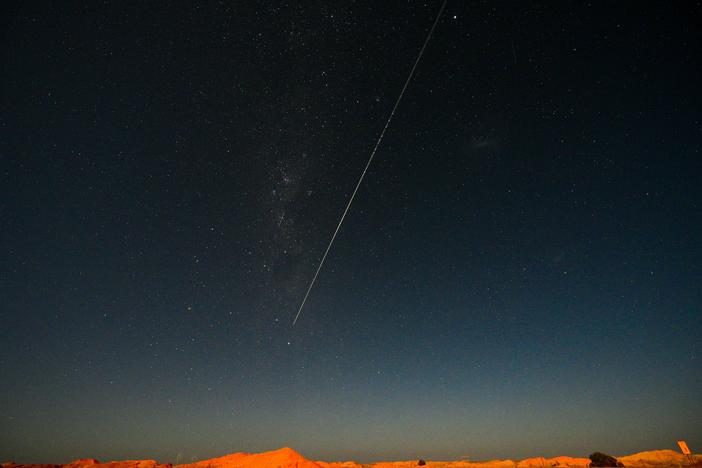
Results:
519 274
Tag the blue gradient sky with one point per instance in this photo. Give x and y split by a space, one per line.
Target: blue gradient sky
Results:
518 276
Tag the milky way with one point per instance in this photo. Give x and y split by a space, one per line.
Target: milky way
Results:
518 274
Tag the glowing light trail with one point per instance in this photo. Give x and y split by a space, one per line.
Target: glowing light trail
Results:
370 159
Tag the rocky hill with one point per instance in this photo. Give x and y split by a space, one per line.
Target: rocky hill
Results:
289 458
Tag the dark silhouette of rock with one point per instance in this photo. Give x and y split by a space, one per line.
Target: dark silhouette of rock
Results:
599 459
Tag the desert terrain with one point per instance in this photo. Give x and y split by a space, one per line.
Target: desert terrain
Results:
289 458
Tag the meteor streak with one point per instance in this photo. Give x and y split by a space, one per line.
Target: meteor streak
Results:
370 159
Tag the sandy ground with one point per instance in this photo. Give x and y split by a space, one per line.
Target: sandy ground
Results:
289 458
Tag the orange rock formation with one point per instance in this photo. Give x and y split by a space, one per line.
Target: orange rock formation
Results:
289 458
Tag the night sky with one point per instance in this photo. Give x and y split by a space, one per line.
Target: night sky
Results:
519 275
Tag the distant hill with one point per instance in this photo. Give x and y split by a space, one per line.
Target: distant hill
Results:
92 463
657 458
289 458
281 458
